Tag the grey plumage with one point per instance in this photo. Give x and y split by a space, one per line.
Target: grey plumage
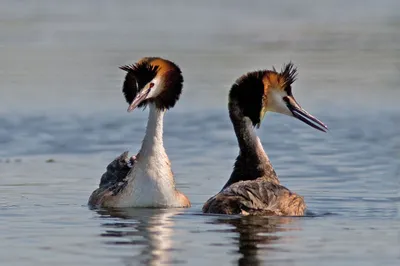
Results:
255 197
114 179
116 171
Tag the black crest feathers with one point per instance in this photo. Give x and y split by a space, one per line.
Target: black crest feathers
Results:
289 75
137 77
246 94
140 74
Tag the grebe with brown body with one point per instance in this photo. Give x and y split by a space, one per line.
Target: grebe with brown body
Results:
145 180
254 187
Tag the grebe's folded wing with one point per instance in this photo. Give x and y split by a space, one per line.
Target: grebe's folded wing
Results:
117 170
113 181
256 197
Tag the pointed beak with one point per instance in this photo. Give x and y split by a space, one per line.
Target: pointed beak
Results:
140 97
303 115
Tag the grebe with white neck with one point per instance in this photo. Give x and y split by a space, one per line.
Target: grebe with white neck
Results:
145 180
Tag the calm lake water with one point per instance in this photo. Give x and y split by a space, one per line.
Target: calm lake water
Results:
60 99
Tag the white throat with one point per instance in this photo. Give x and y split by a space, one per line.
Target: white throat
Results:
151 180
153 140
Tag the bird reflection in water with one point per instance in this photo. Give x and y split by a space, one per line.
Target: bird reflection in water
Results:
256 234
150 228
152 232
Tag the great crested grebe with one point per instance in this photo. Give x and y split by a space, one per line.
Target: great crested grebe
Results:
145 180
254 187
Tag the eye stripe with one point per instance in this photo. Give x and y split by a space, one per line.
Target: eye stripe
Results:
286 99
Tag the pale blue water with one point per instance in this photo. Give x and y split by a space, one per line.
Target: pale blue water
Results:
60 98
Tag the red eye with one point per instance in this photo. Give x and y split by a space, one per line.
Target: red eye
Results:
151 85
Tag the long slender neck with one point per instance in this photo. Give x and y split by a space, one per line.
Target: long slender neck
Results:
252 161
153 140
152 158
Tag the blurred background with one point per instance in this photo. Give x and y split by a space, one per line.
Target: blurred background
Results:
63 119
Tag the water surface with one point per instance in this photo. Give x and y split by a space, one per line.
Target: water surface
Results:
60 99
